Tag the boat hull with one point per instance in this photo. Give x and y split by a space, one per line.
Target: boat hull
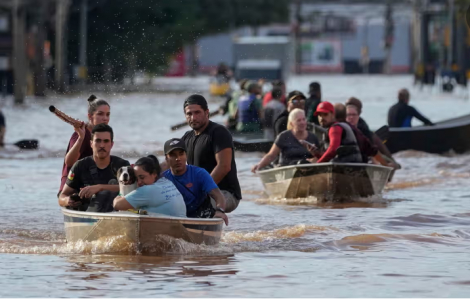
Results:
326 181
140 229
443 137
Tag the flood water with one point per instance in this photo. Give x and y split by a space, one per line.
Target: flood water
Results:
413 241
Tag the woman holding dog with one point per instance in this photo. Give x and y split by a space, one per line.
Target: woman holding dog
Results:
154 193
79 144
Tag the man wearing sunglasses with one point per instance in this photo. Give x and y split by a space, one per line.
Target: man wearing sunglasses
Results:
295 99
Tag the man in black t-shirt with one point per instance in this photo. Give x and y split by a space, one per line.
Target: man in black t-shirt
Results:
93 177
210 146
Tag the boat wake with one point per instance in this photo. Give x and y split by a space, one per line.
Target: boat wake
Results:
300 237
372 241
412 184
289 232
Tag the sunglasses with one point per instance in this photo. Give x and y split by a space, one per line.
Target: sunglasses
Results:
301 101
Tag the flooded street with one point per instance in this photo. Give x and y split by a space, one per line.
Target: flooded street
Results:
413 241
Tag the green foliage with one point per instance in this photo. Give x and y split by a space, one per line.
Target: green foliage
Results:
151 31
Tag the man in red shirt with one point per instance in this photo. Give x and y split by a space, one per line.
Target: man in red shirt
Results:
341 144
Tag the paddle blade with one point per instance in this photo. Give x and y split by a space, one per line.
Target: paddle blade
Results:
27 144
383 132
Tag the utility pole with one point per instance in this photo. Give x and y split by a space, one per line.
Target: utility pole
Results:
297 41
39 66
388 41
19 51
83 73
60 44
450 50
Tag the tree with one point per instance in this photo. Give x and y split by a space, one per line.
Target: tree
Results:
150 31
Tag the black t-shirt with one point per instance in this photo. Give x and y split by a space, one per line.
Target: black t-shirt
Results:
85 172
280 124
201 150
292 151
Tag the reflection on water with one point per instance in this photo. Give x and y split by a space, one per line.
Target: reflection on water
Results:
411 241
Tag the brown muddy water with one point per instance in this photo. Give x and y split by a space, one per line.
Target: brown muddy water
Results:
413 241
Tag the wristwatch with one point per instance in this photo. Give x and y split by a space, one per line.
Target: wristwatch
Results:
220 210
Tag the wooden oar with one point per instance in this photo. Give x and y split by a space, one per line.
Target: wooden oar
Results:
27 144
184 124
68 119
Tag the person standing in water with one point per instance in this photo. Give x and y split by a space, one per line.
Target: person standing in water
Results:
79 144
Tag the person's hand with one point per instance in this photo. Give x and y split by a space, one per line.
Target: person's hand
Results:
219 214
89 191
80 131
254 168
73 203
313 149
312 160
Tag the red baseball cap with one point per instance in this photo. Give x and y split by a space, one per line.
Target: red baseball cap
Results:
325 107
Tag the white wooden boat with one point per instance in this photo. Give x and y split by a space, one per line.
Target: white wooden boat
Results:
140 229
326 181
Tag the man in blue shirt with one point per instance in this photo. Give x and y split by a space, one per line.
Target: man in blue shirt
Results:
194 183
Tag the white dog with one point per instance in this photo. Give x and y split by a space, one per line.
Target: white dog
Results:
127 180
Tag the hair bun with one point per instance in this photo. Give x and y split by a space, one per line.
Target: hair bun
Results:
92 98
153 158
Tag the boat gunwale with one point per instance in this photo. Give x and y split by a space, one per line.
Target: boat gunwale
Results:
453 123
323 164
131 216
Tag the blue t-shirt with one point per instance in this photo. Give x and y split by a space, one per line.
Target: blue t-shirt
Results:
197 180
160 197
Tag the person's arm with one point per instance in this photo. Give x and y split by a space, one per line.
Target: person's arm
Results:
224 165
134 200
419 116
89 191
64 197
222 145
381 146
220 202
71 186
120 203
335 134
74 152
378 157
268 158
218 197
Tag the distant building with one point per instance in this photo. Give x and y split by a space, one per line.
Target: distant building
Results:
334 38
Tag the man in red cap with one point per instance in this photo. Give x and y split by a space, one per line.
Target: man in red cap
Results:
341 144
